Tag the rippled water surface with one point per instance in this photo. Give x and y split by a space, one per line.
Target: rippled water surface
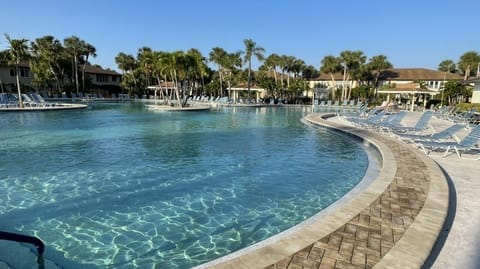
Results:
119 186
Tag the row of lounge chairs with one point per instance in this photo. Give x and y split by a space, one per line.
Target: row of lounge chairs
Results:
29 100
422 135
455 114
345 103
209 99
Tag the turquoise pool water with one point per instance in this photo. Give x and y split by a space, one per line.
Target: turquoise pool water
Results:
122 187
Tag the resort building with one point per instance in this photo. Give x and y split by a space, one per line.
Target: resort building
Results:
103 77
8 75
102 80
433 79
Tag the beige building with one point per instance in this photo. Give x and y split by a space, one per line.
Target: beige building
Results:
433 79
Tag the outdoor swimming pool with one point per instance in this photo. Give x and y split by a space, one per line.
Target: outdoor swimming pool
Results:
119 186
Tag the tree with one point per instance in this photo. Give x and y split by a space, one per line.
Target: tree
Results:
468 63
17 52
377 65
87 50
232 61
174 65
455 91
271 63
251 49
310 72
351 62
217 56
288 66
47 61
331 65
73 48
146 60
447 66
129 65
198 65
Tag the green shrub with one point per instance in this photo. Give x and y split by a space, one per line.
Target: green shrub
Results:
468 106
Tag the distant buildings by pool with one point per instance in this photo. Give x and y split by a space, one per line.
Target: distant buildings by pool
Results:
107 81
102 80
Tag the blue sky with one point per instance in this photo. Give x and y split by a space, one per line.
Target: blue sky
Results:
410 33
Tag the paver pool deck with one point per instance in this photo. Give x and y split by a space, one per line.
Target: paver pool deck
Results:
392 223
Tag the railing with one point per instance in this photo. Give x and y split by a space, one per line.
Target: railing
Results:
27 239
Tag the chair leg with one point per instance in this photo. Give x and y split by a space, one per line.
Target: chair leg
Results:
422 147
458 153
446 151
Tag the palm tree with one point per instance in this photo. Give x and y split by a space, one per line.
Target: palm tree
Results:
128 64
331 65
447 66
351 62
271 63
289 63
377 65
232 62
146 59
46 63
468 61
87 50
217 56
199 65
174 65
73 47
252 49
16 53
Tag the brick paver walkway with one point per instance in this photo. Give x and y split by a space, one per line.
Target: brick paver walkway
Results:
366 238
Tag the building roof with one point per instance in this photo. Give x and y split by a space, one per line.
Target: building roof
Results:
407 74
94 69
408 88
418 74
22 64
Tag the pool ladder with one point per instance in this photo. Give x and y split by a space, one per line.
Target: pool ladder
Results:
27 239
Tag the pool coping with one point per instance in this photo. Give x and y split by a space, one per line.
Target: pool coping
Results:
413 248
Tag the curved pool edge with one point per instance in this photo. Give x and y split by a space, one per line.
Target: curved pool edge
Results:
283 245
415 245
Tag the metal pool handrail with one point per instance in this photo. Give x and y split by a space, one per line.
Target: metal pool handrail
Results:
27 239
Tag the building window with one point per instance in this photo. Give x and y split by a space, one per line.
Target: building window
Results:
114 79
12 72
102 78
24 73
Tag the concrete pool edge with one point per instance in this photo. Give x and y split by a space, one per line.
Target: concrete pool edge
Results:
416 244
276 248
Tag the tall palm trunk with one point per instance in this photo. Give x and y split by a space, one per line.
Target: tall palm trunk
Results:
20 101
84 67
344 83
76 73
249 79
334 88
221 79
229 87
177 93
